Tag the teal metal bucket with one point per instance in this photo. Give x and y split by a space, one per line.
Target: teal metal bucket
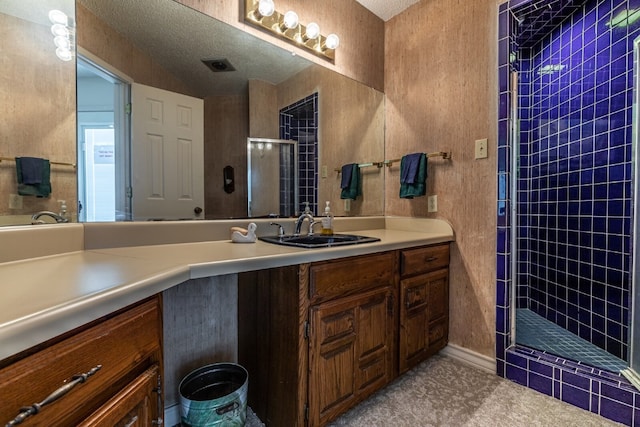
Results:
214 395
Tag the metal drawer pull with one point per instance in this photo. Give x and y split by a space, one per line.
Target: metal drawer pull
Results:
27 411
133 421
433 258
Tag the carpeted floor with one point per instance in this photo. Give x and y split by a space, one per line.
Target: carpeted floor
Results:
445 392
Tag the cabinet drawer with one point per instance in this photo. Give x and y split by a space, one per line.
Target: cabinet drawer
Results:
122 345
422 260
333 279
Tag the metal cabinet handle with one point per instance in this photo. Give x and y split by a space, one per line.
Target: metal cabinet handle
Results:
28 411
433 258
132 422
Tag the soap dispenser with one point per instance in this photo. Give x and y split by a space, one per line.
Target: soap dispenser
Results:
327 221
63 208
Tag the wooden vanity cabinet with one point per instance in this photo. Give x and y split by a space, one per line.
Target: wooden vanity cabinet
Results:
424 304
352 332
124 391
319 338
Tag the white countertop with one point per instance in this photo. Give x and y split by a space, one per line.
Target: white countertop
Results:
45 296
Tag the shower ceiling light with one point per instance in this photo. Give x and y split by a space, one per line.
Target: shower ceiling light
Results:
262 13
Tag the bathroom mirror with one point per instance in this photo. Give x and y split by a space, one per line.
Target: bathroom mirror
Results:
37 112
146 44
272 174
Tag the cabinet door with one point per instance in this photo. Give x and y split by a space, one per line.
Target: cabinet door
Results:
135 406
350 352
423 317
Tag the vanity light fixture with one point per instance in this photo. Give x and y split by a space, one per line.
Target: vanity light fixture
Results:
262 13
63 35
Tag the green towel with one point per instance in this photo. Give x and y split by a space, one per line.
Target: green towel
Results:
418 187
353 190
41 189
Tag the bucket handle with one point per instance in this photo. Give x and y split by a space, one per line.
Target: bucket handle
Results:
230 407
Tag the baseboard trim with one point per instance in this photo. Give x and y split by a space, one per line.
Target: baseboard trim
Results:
172 416
470 357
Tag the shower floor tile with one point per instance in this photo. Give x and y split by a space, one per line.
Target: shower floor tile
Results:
537 332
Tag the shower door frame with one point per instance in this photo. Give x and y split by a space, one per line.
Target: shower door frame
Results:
634 318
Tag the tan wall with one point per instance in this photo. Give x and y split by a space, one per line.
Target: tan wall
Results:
361 50
351 130
440 83
264 118
38 114
225 141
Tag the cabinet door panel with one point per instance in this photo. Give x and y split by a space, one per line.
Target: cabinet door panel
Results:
350 352
333 348
135 406
424 308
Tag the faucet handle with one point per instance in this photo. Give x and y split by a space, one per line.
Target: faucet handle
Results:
311 224
280 228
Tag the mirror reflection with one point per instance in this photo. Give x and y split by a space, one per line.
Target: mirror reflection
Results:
37 114
272 169
181 51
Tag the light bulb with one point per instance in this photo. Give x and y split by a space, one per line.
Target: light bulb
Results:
269 146
332 41
313 31
290 19
64 54
58 17
266 7
62 42
260 146
59 30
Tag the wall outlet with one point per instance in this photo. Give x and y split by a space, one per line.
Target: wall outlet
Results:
347 205
432 203
324 172
481 148
15 201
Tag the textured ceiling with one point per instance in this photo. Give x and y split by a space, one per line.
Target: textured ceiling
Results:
178 38
386 9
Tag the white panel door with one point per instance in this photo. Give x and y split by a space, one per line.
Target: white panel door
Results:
167 152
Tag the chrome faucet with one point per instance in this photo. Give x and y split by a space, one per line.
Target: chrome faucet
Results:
35 218
305 215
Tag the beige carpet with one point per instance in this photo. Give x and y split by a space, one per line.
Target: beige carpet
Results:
445 392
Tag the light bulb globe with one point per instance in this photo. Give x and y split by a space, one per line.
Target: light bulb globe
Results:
313 31
266 7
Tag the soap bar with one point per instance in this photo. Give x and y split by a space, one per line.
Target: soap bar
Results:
239 229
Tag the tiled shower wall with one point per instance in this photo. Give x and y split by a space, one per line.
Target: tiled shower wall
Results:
576 188
575 97
299 122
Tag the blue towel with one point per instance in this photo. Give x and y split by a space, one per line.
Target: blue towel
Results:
352 189
346 175
409 169
33 175
31 169
419 186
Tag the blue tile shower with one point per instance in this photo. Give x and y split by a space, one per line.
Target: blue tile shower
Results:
299 121
572 255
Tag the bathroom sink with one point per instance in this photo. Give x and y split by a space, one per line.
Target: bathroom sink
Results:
319 240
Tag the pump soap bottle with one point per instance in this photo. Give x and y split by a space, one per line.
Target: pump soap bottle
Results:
327 221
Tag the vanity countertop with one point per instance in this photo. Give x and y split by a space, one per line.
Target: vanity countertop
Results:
45 296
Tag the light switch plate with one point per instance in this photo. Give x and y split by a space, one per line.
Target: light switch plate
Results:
324 173
481 148
432 203
15 201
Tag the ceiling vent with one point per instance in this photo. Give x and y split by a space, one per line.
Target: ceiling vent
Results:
219 65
